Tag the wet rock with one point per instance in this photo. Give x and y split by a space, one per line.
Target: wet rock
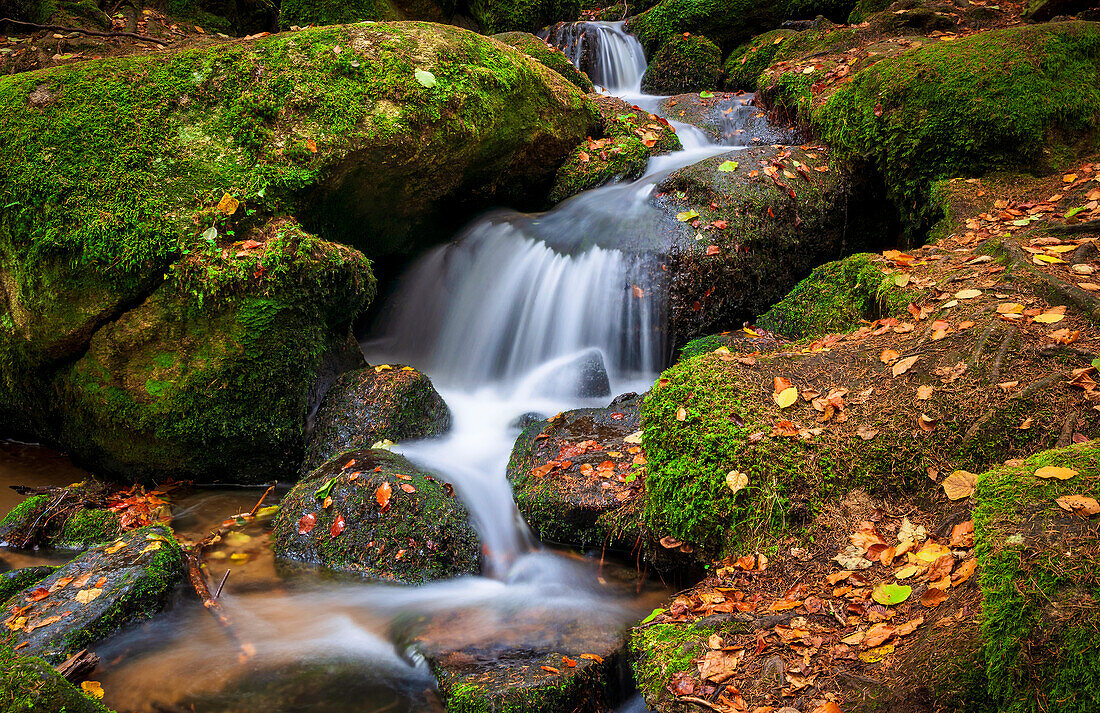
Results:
387 402
95 595
518 660
684 64
524 420
31 684
71 518
768 216
576 502
539 50
387 519
729 118
583 376
19 579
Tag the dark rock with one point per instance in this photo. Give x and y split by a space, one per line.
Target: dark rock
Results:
524 420
583 376
730 119
363 407
96 594
420 536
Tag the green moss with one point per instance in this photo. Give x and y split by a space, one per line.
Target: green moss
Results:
21 513
550 57
1040 578
30 685
964 108
835 298
334 12
865 8
523 15
727 22
835 10
17 580
660 651
745 64
684 64
88 527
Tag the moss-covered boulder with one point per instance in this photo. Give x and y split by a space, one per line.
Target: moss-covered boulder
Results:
496 16
836 297
956 108
334 12
1040 577
387 519
30 685
765 217
744 341
147 234
688 63
105 589
745 64
574 475
728 24
539 50
74 517
387 402
629 137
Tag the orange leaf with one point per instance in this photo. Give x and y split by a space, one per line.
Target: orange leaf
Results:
382 495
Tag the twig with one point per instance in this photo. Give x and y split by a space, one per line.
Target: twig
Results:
198 582
77 666
702 702
222 584
261 500
996 372
93 33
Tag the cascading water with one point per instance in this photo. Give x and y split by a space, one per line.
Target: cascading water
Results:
604 51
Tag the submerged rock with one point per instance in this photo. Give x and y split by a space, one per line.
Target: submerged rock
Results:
387 402
96 594
583 376
387 519
168 326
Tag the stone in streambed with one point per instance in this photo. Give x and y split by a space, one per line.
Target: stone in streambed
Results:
95 595
546 54
30 684
363 407
399 523
684 64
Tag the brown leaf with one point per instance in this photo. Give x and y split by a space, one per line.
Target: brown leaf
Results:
904 365
878 634
962 535
549 669
932 598
964 571
337 525
960 484
306 524
888 356
1080 504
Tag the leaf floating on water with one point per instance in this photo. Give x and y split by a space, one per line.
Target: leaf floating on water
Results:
307 523
426 78
382 495
1050 471
727 166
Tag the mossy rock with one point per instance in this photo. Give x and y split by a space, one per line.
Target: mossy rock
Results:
1040 578
620 154
959 109
134 577
537 49
495 16
775 232
728 24
865 8
69 518
660 651
334 12
740 342
363 407
30 685
715 413
745 64
17 580
423 534
210 376
684 64
69 13
835 10
574 503
836 298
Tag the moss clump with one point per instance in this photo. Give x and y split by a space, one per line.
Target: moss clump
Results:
684 64
19 579
424 533
1040 578
546 55
865 8
726 22
835 298
524 15
965 108
736 342
745 64
88 527
334 12
660 651
30 685
21 514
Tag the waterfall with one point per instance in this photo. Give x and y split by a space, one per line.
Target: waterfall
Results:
604 51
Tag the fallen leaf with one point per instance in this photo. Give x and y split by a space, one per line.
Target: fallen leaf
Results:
878 635
904 365
1049 317
888 355
307 523
932 598
84 596
887 593
786 398
1080 504
337 525
960 484
968 294
736 481
92 688
549 669
1050 471
866 432
382 495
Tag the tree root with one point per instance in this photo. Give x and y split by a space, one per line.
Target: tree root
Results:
996 372
1033 388
93 33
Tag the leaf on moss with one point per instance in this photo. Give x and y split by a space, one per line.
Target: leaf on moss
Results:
1050 471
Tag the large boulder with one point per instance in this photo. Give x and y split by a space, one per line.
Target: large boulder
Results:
374 513
29 684
755 222
523 15
385 402
546 54
74 517
95 595
688 63
147 234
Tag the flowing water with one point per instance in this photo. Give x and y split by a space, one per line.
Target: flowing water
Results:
522 313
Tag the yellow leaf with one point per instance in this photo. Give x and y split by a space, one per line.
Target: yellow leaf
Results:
1049 318
1010 308
382 367
904 365
228 204
736 480
151 547
908 571
85 596
786 397
968 294
901 279
115 547
1050 471
93 689
1049 259
960 484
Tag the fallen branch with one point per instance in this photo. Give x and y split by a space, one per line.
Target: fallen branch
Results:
78 666
702 702
93 33
260 502
198 583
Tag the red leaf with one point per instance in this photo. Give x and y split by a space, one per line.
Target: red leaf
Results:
305 525
878 109
712 250
382 495
337 525
618 416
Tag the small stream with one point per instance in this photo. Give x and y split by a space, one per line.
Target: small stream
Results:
514 317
